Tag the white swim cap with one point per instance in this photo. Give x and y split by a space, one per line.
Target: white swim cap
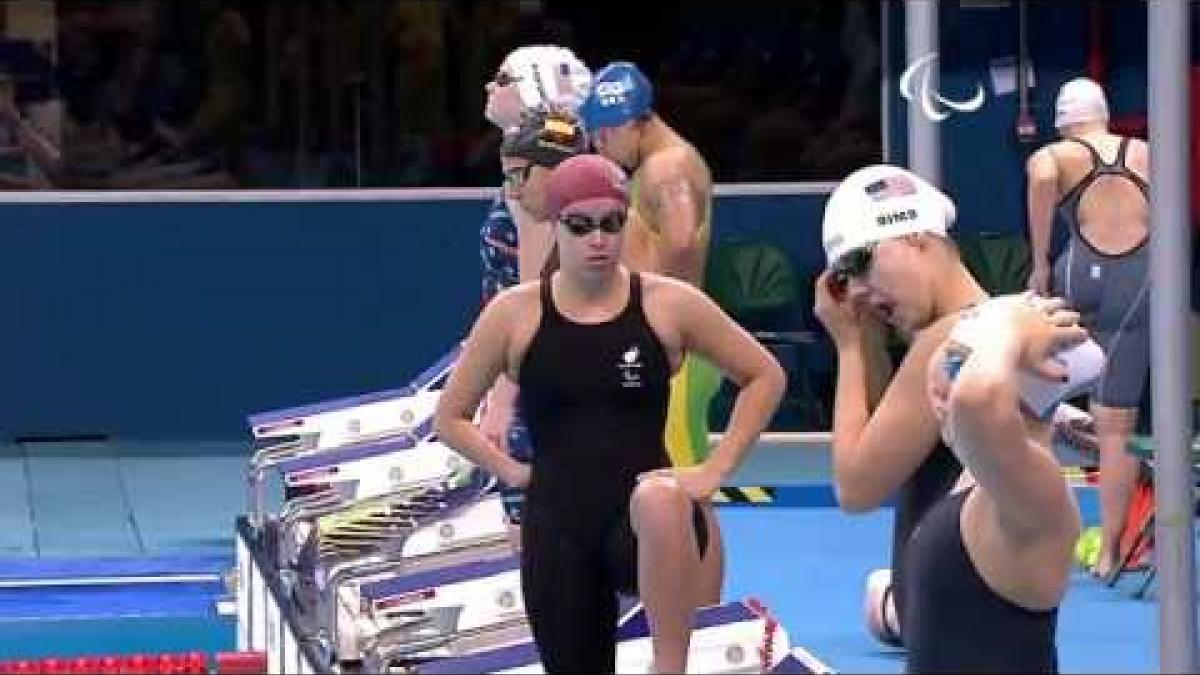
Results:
880 202
976 329
1080 100
545 75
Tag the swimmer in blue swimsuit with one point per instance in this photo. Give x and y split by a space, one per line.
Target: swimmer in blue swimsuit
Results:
545 137
514 242
1097 182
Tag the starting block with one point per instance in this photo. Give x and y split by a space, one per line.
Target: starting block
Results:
391 553
352 448
402 627
411 523
407 410
439 613
736 637
353 474
360 472
363 584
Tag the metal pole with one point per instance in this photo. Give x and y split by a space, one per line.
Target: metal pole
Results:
359 81
303 119
886 17
924 135
1174 542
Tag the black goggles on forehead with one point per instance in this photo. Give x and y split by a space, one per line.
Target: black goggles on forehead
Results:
853 264
579 224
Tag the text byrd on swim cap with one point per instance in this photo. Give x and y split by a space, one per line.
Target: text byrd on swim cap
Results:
620 92
591 180
1080 100
976 330
880 202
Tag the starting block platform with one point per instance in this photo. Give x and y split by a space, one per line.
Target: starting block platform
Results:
406 410
390 553
734 637
722 635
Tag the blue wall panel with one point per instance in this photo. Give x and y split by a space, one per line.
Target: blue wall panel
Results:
176 320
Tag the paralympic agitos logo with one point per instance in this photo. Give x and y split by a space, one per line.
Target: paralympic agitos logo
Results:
933 104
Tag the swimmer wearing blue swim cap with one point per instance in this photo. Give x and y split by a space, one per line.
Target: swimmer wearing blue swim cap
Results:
620 93
669 225
670 182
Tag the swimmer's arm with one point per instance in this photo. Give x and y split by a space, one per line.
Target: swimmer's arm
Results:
482 360
708 331
875 452
878 361
1022 479
1042 172
675 205
501 403
535 238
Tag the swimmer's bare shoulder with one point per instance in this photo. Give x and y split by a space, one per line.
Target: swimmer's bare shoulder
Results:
679 159
1057 152
509 322
674 307
926 340
922 347
1138 157
666 290
518 301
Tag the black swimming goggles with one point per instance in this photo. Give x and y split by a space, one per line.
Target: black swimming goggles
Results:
579 224
503 78
853 264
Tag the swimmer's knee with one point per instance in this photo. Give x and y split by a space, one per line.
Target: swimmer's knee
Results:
659 499
1114 419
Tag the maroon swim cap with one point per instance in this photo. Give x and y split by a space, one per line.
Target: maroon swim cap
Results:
586 178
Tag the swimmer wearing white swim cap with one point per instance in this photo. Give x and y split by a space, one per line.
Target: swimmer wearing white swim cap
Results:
532 85
891 262
1095 182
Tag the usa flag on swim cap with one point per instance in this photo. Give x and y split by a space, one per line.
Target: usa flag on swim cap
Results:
890 187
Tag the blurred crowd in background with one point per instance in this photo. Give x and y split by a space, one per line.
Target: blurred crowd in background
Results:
160 94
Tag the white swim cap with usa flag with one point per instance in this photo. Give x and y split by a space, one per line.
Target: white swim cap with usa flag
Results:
880 202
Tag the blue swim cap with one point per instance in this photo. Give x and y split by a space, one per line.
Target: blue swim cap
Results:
619 93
